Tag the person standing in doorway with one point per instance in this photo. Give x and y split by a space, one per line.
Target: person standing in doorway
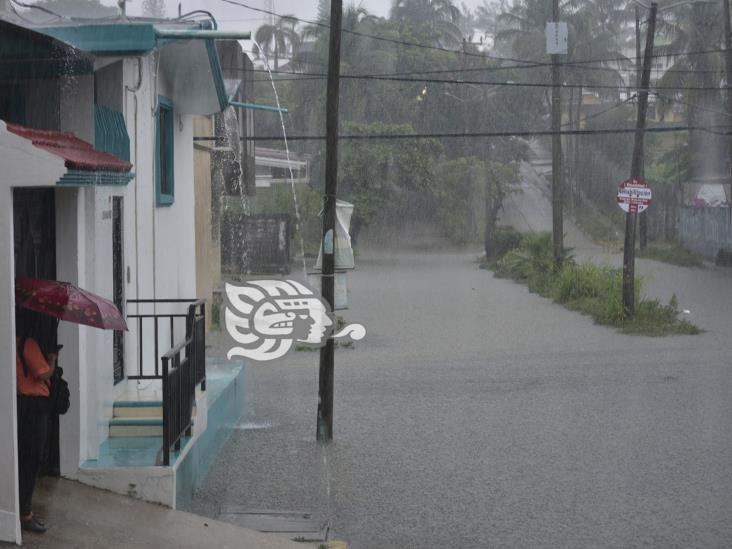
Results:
33 370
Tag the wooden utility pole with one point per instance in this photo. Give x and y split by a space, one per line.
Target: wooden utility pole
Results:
728 59
643 229
557 218
324 430
636 169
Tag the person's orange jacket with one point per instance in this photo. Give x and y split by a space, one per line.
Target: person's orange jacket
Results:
32 384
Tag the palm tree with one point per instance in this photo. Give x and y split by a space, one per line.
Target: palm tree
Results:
694 28
439 18
280 38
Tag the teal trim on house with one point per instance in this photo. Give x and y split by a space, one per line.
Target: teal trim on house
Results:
110 132
202 34
254 106
83 178
138 403
135 421
164 153
218 75
106 38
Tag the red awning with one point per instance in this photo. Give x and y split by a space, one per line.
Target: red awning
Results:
78 154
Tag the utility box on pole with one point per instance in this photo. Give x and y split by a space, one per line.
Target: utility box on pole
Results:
556 38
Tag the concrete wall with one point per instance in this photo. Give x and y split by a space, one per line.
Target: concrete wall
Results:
705 230
159 241
208 251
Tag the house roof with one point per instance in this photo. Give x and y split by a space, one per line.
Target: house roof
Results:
77 153
84 164
28 54
189 67
188 60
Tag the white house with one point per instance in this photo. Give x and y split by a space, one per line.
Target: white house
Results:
96 188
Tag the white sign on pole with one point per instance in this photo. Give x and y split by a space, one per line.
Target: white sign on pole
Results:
634 195
556 38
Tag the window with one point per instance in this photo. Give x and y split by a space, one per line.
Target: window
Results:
164 166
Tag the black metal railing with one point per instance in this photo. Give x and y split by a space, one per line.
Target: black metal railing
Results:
151 328
183 367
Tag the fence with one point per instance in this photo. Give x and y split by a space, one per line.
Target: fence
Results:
705 230
258 244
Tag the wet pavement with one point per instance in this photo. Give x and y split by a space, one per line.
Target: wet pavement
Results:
478 415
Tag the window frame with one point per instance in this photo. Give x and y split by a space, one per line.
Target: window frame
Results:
164 198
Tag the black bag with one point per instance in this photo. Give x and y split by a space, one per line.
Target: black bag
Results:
59 394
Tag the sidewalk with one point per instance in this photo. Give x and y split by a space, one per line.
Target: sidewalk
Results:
82 517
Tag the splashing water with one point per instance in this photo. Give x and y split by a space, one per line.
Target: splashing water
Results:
298 219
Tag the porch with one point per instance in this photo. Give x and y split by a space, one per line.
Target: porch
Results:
176 411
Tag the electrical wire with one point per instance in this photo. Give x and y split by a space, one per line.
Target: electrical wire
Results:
600 113
515 133
208 14
690 104
532 62
508 83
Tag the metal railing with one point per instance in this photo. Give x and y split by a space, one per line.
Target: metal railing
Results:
183 367
151 328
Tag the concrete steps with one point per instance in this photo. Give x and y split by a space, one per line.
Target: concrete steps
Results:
137 418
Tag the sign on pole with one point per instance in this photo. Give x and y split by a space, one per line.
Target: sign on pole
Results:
634 195
556 38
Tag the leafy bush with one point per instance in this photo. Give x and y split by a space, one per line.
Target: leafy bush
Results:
507 239
588 288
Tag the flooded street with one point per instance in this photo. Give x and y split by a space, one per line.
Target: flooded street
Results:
476 415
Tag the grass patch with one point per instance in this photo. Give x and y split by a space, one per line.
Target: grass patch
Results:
670 252
589 289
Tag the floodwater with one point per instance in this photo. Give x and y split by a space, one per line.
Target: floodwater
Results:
478 415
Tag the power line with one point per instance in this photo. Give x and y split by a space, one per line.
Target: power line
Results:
482 55
600 113
475 69
690 104
507 83
519 133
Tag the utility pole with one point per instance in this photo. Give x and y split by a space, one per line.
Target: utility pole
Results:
557 219
636 169
643 229
728 59
324 431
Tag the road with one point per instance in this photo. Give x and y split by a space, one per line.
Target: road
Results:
478 415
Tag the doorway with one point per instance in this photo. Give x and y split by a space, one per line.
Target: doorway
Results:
34 229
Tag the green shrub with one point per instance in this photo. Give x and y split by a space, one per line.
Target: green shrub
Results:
507 239
591 289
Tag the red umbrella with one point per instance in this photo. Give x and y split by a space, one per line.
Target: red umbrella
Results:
65 301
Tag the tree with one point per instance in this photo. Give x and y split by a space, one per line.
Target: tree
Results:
500 180
694 28
154 8
281 39
373 172
437 18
